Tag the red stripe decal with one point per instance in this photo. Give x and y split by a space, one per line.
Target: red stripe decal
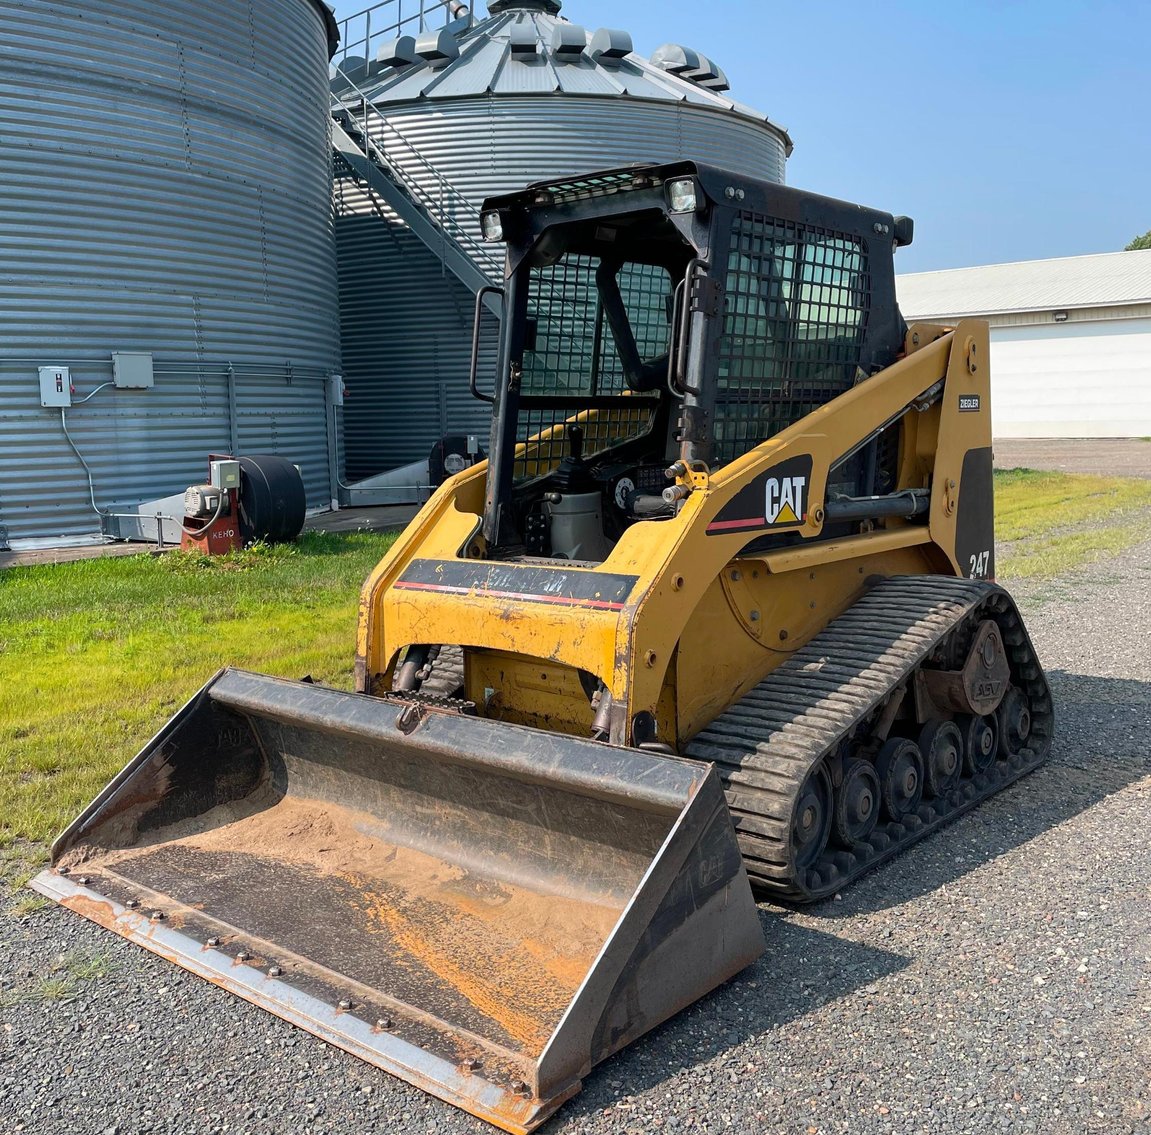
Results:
725 525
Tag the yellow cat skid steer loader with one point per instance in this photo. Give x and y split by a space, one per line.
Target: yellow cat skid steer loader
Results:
716 615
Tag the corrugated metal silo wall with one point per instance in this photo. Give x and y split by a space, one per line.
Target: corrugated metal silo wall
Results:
502 143
481 147
407 330
164 187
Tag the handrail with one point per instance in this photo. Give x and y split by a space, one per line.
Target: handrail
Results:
466 241
422 20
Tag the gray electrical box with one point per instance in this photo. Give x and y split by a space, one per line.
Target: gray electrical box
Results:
55 386
336 390
132 370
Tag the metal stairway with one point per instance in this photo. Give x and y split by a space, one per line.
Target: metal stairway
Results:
379 159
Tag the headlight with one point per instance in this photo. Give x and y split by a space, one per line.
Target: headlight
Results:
493 227
683 195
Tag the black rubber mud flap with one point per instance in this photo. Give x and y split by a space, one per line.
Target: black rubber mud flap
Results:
975 521
484 910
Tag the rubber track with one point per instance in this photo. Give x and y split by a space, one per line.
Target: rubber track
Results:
766 744
447 674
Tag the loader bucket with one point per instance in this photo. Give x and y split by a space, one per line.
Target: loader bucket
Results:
481 909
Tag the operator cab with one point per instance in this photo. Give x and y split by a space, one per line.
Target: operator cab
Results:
661 317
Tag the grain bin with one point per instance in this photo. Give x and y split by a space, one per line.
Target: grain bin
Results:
459 113
166 229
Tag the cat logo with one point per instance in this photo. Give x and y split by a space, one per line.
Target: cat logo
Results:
777 498
786 500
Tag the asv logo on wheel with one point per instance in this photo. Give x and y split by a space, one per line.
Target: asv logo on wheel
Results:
786 500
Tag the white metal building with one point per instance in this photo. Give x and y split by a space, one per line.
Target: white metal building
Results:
1070 339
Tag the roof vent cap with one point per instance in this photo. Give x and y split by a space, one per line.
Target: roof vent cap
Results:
568 43
706 72
690 65
398 53
610 44
718 84
676 58
708 75
523 41
438 48
351 69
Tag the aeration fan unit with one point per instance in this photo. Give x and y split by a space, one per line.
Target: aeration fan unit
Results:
245 499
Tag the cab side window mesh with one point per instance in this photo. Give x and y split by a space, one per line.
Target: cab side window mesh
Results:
795 317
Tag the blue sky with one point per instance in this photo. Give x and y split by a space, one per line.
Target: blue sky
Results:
1009 129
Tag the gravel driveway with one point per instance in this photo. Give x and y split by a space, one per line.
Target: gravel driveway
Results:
1109 456
995 978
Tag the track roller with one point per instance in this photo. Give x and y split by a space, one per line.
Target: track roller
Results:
822 787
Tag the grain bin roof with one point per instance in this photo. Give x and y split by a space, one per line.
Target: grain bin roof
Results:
527 50
1109 279
331 28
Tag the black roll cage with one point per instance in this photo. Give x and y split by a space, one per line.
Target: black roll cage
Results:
615 213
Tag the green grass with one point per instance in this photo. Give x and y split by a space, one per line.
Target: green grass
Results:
27 905
83 965
1048 523
55 987
20 860
62 982
1047 557
96 655
1031 503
